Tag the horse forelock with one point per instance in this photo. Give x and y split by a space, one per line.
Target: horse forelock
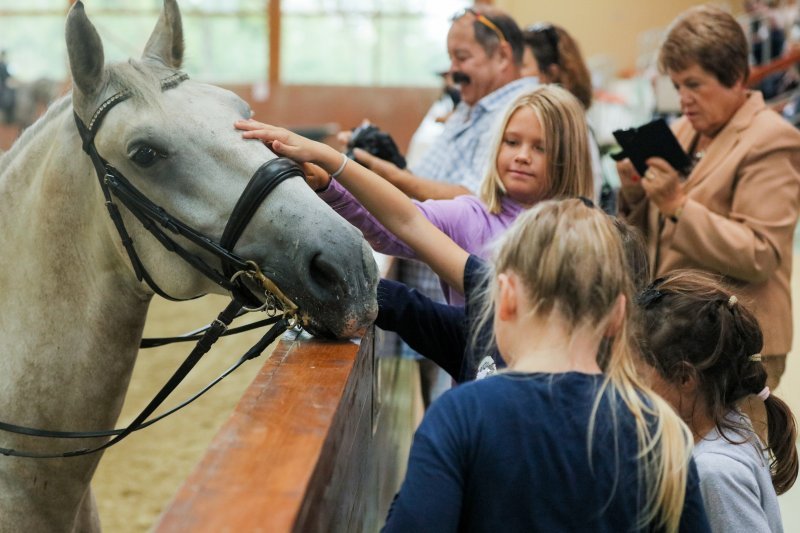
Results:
139 78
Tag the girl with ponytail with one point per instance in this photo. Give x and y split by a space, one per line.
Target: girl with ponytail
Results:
559 441
705 348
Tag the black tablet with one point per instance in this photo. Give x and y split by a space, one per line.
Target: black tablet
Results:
653 139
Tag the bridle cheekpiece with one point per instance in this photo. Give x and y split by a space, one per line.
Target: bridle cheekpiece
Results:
236 272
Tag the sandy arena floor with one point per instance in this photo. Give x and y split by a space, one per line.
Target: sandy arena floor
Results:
138 477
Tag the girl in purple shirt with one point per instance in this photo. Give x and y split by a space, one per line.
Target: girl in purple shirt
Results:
541 152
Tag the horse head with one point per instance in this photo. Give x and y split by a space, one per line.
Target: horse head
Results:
179 148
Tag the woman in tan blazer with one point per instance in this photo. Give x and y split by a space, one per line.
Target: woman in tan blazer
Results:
735 212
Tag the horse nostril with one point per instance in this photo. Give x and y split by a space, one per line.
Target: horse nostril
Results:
324 273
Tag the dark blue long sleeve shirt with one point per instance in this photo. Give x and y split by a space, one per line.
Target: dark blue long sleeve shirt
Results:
511 453
442 333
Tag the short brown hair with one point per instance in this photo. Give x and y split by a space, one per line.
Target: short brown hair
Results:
711 38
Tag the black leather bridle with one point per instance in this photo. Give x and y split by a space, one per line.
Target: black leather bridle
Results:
158 221
236 273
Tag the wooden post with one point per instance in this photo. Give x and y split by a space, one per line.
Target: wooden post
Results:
274 43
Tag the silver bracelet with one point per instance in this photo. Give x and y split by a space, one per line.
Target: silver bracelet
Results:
341 168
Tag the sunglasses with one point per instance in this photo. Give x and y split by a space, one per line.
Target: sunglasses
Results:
484 20
549 33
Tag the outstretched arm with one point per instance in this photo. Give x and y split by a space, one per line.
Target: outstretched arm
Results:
414 186
385 201
435 330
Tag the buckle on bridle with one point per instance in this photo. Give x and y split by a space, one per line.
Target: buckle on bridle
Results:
274 299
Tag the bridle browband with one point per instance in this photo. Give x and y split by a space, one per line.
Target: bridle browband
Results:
236 272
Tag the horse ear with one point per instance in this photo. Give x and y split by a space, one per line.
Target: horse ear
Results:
166 42
85 50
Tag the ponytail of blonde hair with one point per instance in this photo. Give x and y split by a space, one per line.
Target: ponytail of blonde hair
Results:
571 261
665 442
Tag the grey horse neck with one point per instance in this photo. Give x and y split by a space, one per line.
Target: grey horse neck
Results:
67 315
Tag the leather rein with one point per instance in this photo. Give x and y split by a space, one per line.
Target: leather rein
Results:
237 277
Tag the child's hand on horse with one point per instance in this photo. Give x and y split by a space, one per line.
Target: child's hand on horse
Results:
284 142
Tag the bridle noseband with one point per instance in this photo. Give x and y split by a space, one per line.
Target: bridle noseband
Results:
236 272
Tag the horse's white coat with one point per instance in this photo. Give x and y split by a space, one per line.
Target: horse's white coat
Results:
73 311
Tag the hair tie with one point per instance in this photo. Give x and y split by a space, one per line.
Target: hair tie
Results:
650 294
732 301
764 394
755 357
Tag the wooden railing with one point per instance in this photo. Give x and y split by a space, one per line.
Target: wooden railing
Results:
318 442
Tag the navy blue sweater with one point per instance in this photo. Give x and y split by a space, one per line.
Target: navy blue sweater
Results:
440 332
510 453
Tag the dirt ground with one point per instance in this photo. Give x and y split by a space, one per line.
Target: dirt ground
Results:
137 478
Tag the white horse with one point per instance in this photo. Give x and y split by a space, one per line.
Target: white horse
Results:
73 308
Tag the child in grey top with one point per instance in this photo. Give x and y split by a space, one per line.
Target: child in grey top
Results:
735 480
703 346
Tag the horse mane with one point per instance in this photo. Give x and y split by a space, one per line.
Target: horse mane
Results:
140 78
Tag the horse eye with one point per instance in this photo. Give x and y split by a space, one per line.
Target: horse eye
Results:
146 156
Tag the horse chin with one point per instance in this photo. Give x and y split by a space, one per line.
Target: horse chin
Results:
354 325
332 319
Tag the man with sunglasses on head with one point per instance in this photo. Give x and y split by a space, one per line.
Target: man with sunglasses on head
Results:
485 48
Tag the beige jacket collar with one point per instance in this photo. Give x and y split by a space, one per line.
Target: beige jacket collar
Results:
725 140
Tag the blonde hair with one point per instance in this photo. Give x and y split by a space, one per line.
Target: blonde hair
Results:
571 261
566 145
